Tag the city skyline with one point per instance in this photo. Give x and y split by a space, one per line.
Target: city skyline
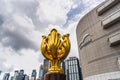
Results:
22 24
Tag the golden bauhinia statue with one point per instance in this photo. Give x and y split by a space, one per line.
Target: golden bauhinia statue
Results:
55 48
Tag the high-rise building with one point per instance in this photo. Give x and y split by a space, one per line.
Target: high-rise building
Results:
46 66
34 74
98 37
63 66
41 75
0 72
21 75
72 69
16 73
6 76
44 69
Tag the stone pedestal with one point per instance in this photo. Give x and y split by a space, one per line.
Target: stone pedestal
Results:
55 76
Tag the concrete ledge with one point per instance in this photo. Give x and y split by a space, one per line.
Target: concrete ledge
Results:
114 39
106 6
111 19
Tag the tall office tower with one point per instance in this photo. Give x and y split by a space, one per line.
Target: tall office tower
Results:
0 72
43 69
21 75
6 76
41 72
21 71
72 69
15 77
98 37
33 76
63 66
46 66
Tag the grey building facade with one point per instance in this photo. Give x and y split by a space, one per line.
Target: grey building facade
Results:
0 72
6 76
34 74
98 36
72 69
21 75
16 74
44 69
41 70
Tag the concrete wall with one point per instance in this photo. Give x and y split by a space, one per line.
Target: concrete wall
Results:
97 56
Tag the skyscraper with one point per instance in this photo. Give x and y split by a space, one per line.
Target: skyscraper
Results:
21 75
72 69
33 76
63 66
6 76
15 77
46 66
0 72
41 75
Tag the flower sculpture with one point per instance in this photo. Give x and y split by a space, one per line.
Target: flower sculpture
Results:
55 48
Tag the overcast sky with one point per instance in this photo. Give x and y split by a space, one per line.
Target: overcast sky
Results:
23 22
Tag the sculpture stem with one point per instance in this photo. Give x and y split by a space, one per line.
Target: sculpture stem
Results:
55 67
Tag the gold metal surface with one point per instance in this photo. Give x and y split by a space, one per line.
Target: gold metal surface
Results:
55 48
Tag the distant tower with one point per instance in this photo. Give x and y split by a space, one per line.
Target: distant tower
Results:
6 76
21 71
33 76
72 69
0 72
63 66
46 65
15 75
43 69
41 72
21 75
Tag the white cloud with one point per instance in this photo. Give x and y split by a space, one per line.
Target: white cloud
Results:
3 60
23 21
19 31
54 12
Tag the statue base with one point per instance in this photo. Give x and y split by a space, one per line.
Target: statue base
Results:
54 76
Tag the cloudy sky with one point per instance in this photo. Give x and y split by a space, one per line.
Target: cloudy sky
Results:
23 22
